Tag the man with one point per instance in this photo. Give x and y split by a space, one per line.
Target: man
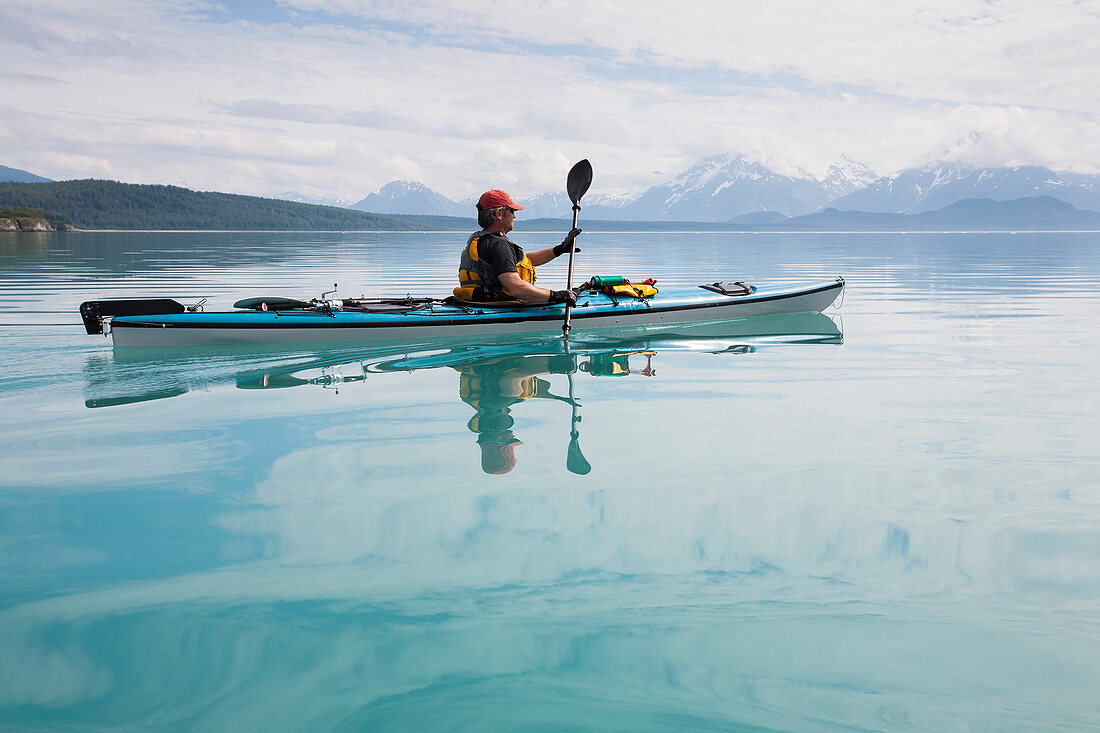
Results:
494 267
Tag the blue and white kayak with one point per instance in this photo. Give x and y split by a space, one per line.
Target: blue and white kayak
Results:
673 310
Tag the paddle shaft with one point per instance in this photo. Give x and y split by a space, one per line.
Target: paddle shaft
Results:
569 279
575 461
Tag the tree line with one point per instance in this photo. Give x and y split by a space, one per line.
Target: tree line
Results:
23 212
97 204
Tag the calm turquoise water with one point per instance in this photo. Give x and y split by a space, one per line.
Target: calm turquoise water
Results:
896 528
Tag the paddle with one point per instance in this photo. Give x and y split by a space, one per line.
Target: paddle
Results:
580 178
574 459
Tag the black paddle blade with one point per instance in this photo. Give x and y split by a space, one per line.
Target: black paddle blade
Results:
574 459
580 178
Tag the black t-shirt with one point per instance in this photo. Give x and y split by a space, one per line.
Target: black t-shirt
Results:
499 253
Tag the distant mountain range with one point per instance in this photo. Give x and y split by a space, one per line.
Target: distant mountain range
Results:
722 187
723 192
301 198
714 189
1035 213
730 188
928 189
93 204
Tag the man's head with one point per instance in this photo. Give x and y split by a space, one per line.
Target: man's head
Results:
496 210
498 456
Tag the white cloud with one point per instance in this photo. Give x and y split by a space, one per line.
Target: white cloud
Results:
991 136
336 97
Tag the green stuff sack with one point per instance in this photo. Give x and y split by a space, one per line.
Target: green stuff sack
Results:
599 282
617 286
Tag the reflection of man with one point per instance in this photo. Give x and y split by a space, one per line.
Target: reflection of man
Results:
491 386
617 364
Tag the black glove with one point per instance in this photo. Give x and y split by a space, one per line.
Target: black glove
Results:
567 243
562 296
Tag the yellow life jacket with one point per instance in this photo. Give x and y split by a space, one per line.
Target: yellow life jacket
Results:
473 388
617 286
478 282
630 290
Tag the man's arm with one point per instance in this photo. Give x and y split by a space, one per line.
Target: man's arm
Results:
520 289
542 256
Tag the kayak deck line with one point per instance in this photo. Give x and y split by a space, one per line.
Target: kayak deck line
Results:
671 309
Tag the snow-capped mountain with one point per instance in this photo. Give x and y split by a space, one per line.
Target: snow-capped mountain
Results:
728 187
546 205
714 189
1089 183
410 197
724 186
558 206
301 198
935 186
847 176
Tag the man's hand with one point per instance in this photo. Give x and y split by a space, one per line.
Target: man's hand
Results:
562 296
567 243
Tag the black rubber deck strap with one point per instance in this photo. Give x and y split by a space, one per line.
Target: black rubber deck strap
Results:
730 289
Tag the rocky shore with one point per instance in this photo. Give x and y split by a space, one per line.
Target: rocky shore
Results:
31 224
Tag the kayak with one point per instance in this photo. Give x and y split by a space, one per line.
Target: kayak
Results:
165 322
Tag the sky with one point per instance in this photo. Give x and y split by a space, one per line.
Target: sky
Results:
335 98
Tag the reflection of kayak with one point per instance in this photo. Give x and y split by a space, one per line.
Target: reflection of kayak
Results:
356 321
727 337
136 375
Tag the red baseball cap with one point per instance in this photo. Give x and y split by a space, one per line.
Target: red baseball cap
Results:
498 458
496 198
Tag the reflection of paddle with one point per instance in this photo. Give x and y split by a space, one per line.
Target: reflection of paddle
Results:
580 178
574 459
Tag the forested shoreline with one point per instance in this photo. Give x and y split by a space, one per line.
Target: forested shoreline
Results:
98 204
